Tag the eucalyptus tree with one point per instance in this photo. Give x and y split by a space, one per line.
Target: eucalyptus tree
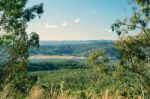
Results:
98 59
135 50
14 39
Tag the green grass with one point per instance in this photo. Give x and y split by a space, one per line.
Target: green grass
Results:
74 79
114 79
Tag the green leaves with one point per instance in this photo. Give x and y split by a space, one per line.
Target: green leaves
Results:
30 13
6 39
98 59
13 22
135 50
34 40
137 21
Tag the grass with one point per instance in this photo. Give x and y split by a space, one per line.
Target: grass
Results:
75 84
81 83
38 93
77 81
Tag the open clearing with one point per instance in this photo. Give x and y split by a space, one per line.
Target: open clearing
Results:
55 57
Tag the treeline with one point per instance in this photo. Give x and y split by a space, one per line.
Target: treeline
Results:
76 49
57 65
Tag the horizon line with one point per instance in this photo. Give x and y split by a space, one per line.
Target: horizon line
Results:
83 40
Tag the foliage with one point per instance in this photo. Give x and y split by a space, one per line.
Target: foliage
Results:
75 80
139 19
129 79
14 17
75 48
135 50
98 60
57 65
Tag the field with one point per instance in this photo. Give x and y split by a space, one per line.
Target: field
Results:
55 57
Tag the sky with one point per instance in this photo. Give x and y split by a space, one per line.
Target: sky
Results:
78 19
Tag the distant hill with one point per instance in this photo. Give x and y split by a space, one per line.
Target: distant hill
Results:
73 42
76 48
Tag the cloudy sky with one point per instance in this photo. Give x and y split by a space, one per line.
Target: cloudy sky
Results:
78 19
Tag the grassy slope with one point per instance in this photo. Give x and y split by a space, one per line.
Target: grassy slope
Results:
75 79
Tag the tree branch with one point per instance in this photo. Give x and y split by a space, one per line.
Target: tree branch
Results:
6 49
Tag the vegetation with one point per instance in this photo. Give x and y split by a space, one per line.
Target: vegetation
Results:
64 79
15 42
57 65
75 48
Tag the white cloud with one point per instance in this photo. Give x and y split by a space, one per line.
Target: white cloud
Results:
77 20
108 30
64 24
47 25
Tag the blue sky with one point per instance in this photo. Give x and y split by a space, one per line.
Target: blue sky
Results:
78 19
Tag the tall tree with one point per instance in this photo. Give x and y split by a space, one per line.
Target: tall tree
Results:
14 16
135 50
